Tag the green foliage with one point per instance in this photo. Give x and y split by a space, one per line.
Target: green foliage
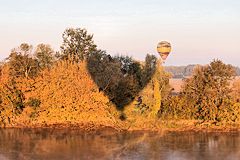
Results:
206 95
77 44
23 63
14 97
148 104
34 102
149 69
44 54
160 88
208 90
229 114
174 107
121 78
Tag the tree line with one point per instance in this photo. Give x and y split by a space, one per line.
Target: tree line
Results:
186 71
121 78
207 94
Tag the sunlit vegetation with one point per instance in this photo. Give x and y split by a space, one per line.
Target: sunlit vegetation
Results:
84 85
207 95
236 90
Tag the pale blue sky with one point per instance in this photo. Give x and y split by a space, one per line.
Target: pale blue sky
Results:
199 30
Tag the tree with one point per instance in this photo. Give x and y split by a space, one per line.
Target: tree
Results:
22 64
24 49
106 72
149 69
77 44
208 90
44 54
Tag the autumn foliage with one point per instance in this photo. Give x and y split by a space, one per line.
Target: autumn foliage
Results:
84 86
64 94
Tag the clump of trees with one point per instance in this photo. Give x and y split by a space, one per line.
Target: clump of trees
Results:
24 62
18 71
121 78
45 56
77 44
80 70
208 90
206 95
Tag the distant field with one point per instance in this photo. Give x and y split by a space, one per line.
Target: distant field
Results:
177 83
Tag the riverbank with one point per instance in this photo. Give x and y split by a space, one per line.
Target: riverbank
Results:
66 96
159 126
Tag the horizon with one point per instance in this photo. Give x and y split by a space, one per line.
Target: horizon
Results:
199 31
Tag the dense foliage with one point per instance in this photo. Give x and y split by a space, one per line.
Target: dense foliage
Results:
208 90
77 44
82 83
23 62
207 95
120 78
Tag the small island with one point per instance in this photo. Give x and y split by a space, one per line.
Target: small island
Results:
82 87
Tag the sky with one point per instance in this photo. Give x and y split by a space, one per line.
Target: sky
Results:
198 30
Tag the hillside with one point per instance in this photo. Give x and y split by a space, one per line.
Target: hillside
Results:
185 71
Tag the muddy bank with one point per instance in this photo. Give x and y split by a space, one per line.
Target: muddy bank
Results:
160 127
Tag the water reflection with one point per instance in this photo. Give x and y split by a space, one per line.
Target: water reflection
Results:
66 144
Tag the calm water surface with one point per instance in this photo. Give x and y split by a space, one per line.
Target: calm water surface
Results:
48 144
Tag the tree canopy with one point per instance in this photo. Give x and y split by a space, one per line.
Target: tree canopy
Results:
23 62
120 77
77 44
45 55
209 89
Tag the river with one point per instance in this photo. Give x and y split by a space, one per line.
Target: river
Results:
50 144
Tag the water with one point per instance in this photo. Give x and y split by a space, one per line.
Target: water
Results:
48 144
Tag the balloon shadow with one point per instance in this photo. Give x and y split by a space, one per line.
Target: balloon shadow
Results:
120 77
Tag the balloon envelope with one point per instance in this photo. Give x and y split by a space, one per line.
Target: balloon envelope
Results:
164 48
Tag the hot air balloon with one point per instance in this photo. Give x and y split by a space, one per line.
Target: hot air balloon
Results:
164 48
